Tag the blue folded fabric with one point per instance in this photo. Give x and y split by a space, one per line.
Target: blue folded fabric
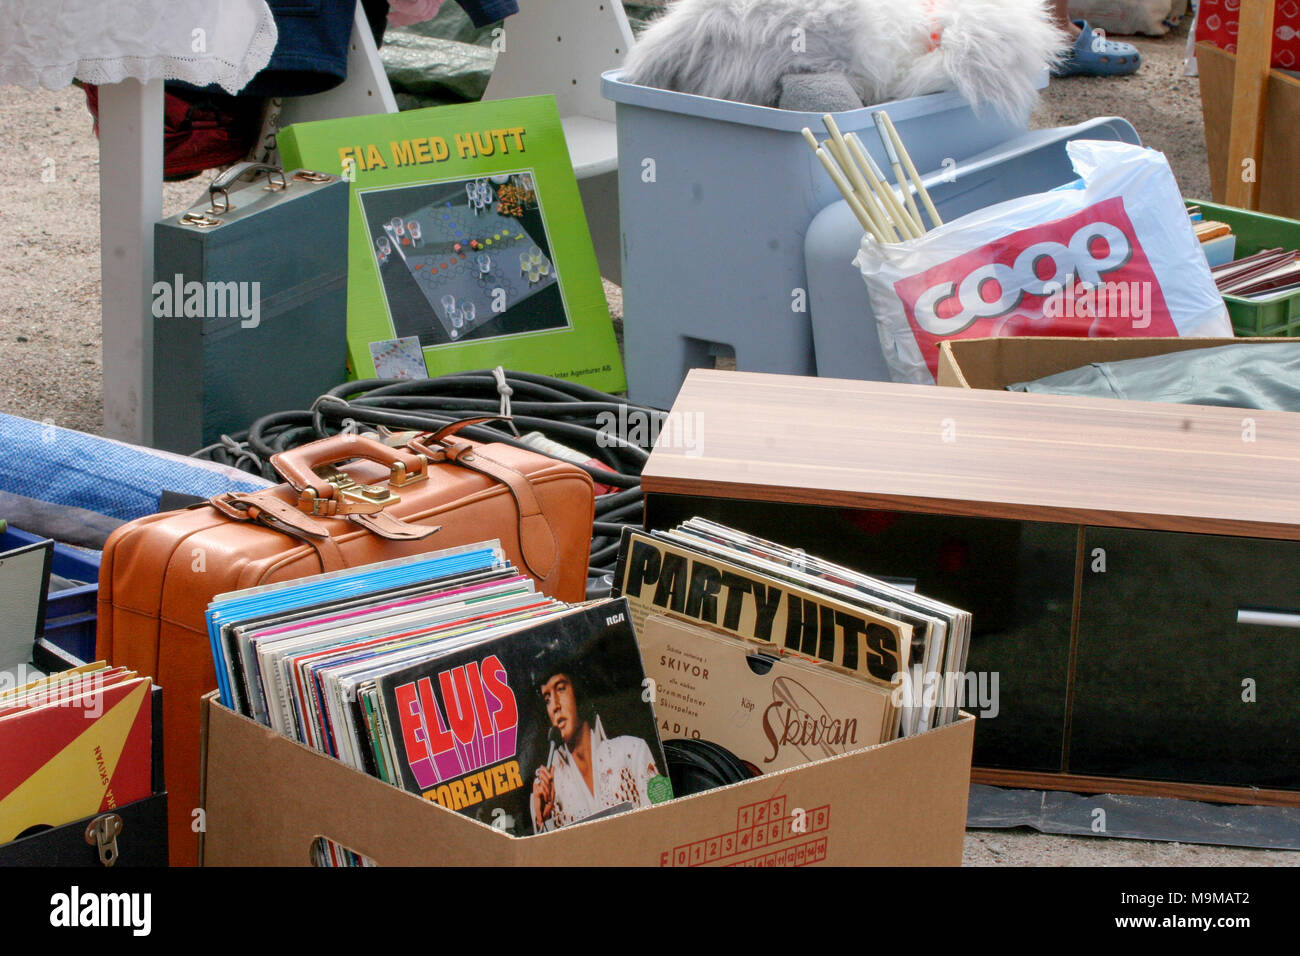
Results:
66 467
1263 375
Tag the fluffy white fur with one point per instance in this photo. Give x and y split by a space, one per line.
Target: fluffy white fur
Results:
990 51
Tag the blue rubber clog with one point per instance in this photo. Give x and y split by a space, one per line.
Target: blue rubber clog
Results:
1094 55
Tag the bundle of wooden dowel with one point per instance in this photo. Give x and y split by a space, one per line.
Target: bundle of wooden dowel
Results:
869 194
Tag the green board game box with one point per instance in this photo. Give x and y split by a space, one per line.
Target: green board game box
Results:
468 246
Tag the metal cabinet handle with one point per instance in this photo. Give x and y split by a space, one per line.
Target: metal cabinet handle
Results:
1268 618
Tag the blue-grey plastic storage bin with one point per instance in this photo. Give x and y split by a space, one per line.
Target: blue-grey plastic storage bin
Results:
844 326
715 198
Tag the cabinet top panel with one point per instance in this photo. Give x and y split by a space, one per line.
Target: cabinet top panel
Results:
984 453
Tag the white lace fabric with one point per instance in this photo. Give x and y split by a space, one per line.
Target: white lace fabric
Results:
48 43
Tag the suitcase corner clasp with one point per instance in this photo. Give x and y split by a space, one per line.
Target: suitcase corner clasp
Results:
399 477
102 833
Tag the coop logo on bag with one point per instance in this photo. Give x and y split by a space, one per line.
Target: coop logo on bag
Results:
1041 281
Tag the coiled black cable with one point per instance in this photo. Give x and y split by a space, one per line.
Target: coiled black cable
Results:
581 418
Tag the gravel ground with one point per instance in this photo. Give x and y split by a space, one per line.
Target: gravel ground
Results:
1024 847
50 305
1163 105
49 270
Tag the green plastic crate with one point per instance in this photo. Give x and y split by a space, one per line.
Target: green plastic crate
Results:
1256 231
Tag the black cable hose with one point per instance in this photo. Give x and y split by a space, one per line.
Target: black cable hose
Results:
293 437
563 432
606 555
630 511
258 430
577 416
607 503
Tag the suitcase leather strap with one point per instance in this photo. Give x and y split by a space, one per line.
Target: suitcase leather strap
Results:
537 543
271 512
268 510
394 529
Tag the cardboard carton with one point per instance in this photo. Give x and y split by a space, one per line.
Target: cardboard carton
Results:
268 798
1279 189
998 362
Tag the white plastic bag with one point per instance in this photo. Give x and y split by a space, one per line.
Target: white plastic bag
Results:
1111 255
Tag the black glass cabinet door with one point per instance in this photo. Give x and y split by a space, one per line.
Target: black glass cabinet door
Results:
1188 664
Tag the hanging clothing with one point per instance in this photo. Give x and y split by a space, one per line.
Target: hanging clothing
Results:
403 13
312 52
483 12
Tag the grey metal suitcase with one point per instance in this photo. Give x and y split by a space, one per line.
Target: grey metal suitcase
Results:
249 303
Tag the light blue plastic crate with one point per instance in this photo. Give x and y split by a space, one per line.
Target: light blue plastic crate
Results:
715 198
70 613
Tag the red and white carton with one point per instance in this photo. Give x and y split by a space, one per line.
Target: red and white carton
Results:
1110 255
1216 23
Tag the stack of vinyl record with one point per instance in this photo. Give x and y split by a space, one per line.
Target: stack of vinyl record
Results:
911 645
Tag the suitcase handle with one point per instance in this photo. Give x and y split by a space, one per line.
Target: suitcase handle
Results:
319 497
222 183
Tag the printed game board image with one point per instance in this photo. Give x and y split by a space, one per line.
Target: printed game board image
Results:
464 259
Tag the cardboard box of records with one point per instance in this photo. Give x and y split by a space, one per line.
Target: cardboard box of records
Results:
269 799
789 701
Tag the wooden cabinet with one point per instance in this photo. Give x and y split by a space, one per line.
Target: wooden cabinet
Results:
1133 568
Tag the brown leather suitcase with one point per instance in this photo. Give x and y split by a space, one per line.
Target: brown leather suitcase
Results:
159 573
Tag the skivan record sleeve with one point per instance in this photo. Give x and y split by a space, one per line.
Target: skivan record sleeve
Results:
534 730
